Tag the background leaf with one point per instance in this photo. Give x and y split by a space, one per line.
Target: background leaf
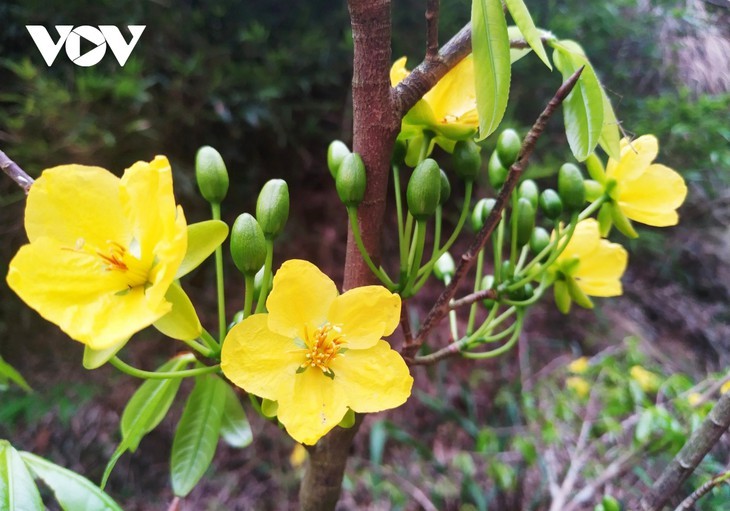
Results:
523 20
235 429
73 492
492 68
197 433
8 372
18 492
610 134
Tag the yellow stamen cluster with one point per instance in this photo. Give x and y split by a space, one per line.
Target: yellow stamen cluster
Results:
324 345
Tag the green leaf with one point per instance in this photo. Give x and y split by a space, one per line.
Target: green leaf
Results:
182 321
203 239
583 108
94 359
197 433
235 429
150 403
18 492
518 11
490 45
73 492
9 372
610 139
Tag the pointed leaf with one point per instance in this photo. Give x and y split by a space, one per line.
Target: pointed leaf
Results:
18 492
197 433
9 372
610 139
235 429
72 491
182 321
583 108
93 359
203 239
518 11
150 403
492 69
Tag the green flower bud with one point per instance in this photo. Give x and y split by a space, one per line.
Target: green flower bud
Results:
467 160
480 213
508 146
539 240
272 207
595 168
529 190
522 293
211 174
445 188
444 267
507 271
350 181
594 189
248 244
237 318
609 503
486 284
570 187
496 172
424 189
525 218
336 152
562 297
551 204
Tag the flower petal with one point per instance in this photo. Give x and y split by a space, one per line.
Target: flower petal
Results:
73 289
584 240
258 360
76 202
599 273
374 379
315 405
398 71
636 156
654 196
365 314
301 297
453 98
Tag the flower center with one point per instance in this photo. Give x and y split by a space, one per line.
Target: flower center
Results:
118 258
323 345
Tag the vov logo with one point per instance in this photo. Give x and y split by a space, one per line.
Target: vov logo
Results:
105 35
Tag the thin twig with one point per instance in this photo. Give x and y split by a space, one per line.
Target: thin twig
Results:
15 173
485 294
703 490
405 322
441 307
432 29
615 469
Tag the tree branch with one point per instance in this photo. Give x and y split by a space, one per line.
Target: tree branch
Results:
441 307
432 29
485 294
15 173
703 490
687 459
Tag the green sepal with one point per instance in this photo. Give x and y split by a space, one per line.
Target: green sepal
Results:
203 239
562 296
577 294
594 189
269 408
605 220
595 168
93 359
348 420
622 223
182 321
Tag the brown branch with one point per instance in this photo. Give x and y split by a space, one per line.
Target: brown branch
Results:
432 29
703 490
687 459
405 322
15 173
441 307
485 294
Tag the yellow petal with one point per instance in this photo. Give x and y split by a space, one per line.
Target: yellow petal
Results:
72 289
75 202
653 197
301 297
258 360
365 315
584 240
314 406
453 98
374 379
636 156
398 71
599 272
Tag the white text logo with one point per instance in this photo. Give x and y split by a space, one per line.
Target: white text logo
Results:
99 37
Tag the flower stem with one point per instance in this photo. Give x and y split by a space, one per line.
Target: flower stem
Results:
378 272
200 348
164 375
261 302
477 283
398 203
216 209
414 260
209 341
248 294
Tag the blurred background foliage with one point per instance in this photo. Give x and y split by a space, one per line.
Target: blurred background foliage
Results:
268 86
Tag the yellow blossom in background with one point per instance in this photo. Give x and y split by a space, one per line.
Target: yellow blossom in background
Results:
103 250
579 365
318 353
725 387
694 399
646 192
448 110
298 456
648 381
578 385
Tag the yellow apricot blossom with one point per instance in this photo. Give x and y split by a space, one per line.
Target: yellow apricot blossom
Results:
578 385
579 366
318 353
647 380
103 251
646 192
589 266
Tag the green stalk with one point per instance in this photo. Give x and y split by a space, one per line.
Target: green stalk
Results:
261 302
165 375
414 261
210 341
398 204
216 209
477 283
452 315
248 294
200 348
497 351
378 272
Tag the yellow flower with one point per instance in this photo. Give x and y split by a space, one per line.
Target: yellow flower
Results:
646 192
588 266
318 353
103 251
578 385
725 387
448 110
694 399
579 365
648 381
